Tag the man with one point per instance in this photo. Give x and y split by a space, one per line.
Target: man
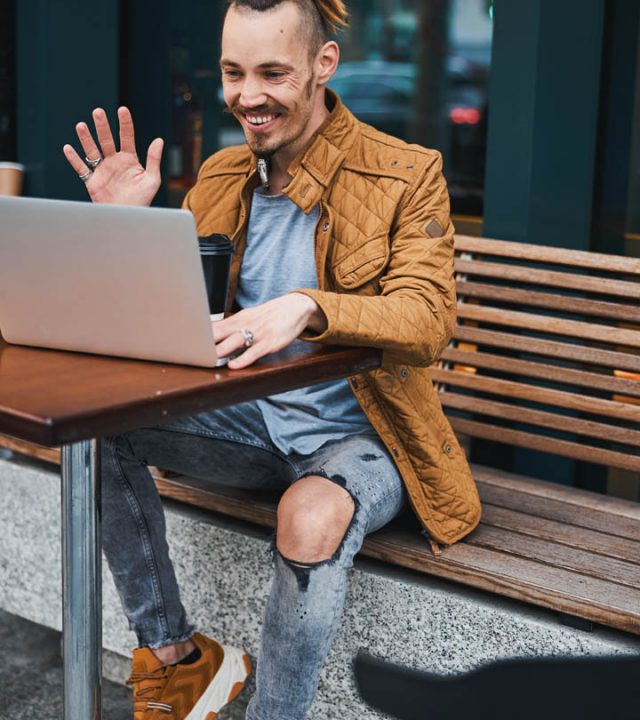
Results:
342 235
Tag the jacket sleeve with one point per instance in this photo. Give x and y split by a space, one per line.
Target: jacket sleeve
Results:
414 315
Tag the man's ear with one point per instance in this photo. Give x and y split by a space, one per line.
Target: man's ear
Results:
327 62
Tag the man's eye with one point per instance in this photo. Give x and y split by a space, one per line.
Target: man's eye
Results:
274 74
231 74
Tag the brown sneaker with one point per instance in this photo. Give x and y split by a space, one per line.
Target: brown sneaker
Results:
187 692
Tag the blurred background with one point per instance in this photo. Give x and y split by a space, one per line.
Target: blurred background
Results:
533 103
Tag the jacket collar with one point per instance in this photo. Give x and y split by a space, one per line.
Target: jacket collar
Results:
312 172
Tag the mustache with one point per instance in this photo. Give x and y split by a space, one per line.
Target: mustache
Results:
262 110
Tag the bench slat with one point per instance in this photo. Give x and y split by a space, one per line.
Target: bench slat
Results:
599 381
550 278
547 254
573 515
535 393
540 418
545 444
548 348
557 555
568 303
518 578
579 500
547 324
40 452
563 533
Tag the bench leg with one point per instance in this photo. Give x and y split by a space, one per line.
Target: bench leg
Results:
81 581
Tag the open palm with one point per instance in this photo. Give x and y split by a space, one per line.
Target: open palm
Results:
119 178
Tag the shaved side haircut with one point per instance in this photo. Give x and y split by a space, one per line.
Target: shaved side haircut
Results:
320 18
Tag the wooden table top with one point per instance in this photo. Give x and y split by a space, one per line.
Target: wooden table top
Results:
54 397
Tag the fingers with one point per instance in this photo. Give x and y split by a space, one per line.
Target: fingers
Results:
249 356
231 343
223 329
91 149
235 342
127 135
154 156
74 159
86 140
105 138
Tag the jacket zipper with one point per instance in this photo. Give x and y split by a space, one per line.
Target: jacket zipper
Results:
244 217
322 258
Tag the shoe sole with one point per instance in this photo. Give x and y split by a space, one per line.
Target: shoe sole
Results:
225 686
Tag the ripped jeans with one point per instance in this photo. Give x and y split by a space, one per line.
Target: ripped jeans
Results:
231 446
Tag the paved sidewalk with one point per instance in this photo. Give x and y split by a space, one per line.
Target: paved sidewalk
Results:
31 686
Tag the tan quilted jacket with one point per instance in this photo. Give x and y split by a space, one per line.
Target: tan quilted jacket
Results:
384 258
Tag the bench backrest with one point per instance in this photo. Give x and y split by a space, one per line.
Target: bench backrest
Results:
546 352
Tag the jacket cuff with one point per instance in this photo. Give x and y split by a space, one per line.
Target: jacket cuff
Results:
326 303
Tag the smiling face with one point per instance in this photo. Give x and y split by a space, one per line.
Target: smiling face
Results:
271 82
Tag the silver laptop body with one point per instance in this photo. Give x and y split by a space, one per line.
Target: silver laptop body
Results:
108 279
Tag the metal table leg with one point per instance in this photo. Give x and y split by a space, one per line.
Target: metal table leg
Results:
81 581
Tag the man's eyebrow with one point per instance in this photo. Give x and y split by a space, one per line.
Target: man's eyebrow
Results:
262 66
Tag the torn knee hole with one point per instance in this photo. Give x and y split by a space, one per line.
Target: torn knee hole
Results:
303 566
336 478
302 572
313 526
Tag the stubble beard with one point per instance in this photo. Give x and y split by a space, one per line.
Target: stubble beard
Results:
260 145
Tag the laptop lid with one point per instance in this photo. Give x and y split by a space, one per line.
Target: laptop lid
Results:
108 279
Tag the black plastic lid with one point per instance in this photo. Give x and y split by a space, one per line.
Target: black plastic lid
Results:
216 244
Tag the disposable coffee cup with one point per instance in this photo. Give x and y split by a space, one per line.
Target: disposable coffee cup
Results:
215 253
11 178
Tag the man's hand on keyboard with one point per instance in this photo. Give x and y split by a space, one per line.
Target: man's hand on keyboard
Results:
119 177
274 325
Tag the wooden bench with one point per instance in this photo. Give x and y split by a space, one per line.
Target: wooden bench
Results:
545 356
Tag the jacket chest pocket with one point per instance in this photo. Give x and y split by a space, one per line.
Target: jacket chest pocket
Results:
354 268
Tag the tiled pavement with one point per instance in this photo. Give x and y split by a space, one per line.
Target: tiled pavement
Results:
31 667
31 677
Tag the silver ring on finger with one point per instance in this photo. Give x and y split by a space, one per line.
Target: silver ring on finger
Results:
248 337
85 177
93 164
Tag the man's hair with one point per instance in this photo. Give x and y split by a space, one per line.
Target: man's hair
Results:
320 17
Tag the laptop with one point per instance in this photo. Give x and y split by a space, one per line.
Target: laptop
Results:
107 279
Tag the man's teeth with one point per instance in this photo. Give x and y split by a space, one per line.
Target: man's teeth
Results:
260 119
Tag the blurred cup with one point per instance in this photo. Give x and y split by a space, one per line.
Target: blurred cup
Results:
215 253
11 177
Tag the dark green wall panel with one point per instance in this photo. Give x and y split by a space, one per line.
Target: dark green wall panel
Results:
543 121
512 96
67 65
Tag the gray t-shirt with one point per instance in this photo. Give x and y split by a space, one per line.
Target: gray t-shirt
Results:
279 258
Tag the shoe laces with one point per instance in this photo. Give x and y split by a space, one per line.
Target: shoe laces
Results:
146 687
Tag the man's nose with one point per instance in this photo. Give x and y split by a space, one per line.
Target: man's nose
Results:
252 94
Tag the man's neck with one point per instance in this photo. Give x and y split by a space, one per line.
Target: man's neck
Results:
281 160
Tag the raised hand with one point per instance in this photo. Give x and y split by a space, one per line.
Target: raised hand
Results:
119 177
